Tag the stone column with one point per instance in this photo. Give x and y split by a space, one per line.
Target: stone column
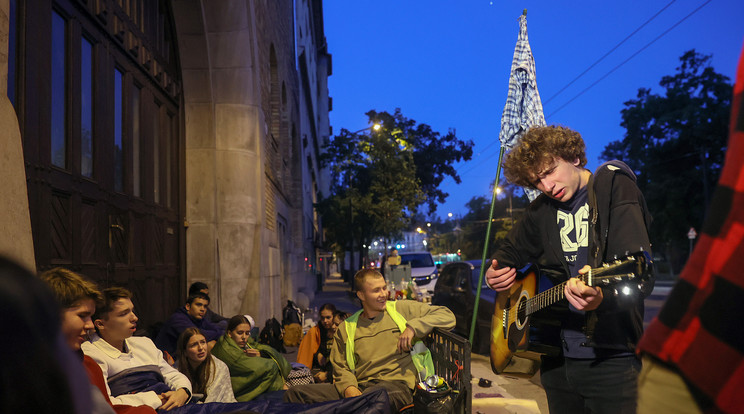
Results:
15 222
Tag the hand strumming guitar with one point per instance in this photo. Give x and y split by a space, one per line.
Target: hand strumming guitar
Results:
500 278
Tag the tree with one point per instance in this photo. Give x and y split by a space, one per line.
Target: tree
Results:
675 143
377 184
434 154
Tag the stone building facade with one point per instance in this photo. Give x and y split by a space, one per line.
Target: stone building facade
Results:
166 142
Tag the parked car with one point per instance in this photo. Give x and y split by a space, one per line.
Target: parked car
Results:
456 289
423 270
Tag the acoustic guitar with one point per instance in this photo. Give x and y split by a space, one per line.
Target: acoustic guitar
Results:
511 318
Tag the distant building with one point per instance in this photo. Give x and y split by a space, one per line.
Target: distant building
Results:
165 142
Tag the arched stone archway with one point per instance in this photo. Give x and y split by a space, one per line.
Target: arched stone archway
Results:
224 125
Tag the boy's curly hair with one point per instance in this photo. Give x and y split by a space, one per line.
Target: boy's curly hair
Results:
537 148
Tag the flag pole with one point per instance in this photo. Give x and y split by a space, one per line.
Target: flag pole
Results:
484 265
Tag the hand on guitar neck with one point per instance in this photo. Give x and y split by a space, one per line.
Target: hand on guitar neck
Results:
581 296
578 294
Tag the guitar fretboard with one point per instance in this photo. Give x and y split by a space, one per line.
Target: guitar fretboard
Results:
554 294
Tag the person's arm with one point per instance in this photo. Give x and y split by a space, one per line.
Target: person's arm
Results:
627 233
172 377
149 398
343 379
522 243
180 386
174 399
422 317
210 330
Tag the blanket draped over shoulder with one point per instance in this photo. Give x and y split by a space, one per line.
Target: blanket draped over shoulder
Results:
252 376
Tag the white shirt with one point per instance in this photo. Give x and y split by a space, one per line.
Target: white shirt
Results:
141 351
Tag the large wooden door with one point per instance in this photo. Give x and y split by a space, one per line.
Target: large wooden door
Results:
99 108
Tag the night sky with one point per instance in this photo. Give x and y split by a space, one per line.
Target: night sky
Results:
446 64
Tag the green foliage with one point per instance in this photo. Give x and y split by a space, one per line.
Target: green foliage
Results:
379 178
434 154
675 142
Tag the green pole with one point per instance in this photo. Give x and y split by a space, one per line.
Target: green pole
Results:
485 246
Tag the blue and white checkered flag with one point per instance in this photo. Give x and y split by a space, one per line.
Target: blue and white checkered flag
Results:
523 108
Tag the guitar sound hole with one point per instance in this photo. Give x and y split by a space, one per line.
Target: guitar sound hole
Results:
521 314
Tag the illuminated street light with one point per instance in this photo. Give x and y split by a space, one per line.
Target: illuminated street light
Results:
374 126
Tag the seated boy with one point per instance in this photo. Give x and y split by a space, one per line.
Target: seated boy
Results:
133 367
77 298
211 315
191 315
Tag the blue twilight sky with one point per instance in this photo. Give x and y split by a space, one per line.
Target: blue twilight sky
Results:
446 64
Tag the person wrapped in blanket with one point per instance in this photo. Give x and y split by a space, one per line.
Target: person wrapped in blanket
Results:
254 368
210 377
134 369
315 347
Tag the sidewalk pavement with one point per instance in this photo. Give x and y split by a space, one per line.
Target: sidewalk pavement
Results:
516 391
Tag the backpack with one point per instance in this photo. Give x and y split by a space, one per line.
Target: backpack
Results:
292 334
272 335
291 314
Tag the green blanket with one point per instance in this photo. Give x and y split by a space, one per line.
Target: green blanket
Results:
252 376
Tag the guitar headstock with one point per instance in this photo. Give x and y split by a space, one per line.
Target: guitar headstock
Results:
632 266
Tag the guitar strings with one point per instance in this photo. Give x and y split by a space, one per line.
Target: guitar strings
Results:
534 303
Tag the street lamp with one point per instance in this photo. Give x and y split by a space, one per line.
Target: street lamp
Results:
499 190
376 126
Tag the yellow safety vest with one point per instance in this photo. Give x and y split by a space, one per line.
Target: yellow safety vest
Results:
421 360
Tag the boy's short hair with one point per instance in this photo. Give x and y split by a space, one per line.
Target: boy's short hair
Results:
197 295
110 295
197 287
361 276
537 148
70 288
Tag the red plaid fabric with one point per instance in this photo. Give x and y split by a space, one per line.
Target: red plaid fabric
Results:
699 331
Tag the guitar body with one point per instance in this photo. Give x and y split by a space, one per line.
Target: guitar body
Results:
510 329
510 323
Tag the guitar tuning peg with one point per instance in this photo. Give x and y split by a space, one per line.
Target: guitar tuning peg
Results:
627 252
614 257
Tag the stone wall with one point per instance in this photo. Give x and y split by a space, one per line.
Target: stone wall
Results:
15 223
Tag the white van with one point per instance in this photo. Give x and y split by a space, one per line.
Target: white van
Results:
423 270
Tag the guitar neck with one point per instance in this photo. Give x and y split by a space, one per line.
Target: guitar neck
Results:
545 299
556 293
